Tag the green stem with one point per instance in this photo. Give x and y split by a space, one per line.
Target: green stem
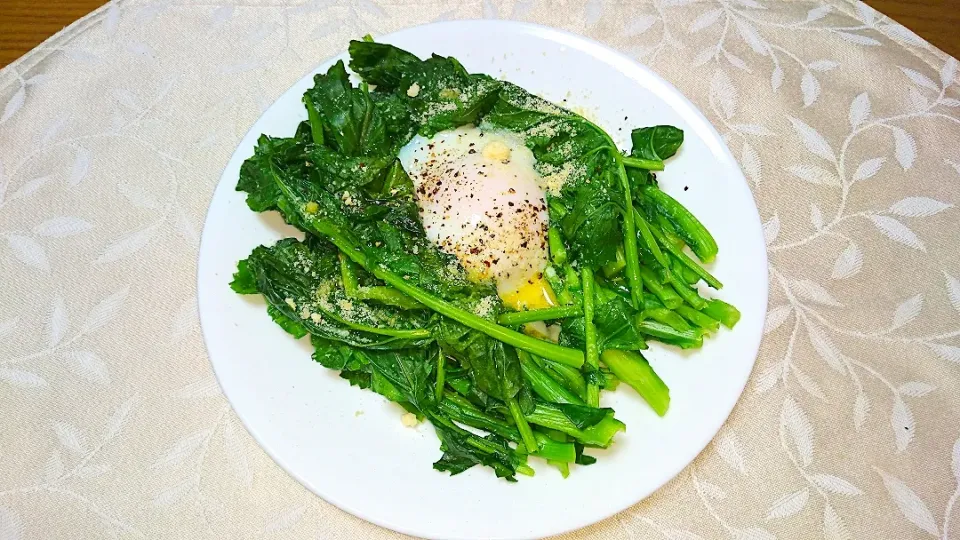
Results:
571 378
614 267
669 298
558 252
415 333
525 432
564 355
441 374
686 292
723 312
601 434
546 314
629 234
386 295
688 339
313 115
326 228
688 226
685 259
633 369
592 353
669 318
461 410
555 451
543 384
649 239
348 275
557 284
646 164
700 319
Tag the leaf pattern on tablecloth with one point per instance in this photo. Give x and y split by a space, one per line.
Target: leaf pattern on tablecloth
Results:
844 122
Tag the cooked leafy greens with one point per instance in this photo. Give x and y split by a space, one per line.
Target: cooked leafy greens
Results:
393 313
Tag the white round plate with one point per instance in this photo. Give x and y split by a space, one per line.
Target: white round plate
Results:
348 445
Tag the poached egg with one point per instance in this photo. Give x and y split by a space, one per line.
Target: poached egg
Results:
481 200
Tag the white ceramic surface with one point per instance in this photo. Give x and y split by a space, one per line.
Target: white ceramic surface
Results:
349 446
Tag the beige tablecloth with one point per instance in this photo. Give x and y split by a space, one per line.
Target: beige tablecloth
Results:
114 133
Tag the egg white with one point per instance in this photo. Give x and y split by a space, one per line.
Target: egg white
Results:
480 199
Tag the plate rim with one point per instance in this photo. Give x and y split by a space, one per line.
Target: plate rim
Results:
618 60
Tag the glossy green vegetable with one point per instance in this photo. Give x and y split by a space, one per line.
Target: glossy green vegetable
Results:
393 313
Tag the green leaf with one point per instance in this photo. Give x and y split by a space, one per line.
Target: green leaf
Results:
354 124
410 372
439 91
494 367
462 450
243 281
381 64
256 176
656 142
615 320
583 416
301 283
290 325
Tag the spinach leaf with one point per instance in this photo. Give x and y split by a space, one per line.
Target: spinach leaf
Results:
615 320
656 142
300 281
409 371
583 416
289 324
256 178
493 367
462 450
353 123
441 94
381 64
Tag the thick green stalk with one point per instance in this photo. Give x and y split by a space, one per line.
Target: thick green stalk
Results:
569 377
723 312
649 239
386 295
349 277
547 314
558 252
554 451
564 355
557 284
592 356
698 318
688 339
669 231
688 226
669 318
461 410
666 295
630 252
543 384
522 426
633 369
601 434
414 333
614 267
684 258
686 292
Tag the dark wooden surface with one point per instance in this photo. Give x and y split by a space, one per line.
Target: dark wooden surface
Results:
24 24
